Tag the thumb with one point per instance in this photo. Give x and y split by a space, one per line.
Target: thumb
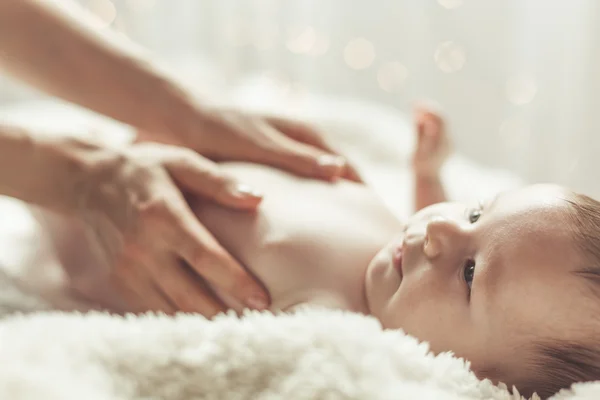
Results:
301 158
203 177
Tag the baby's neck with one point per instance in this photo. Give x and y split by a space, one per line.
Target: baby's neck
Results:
348 295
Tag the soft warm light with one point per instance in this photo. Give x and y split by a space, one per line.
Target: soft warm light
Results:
237 33
141 6
515 131
297 93
281 83
450 57
359 53
303 41
450 4
573 166
263 5
521 90
391 76
321 45
103 9
265 38
120 26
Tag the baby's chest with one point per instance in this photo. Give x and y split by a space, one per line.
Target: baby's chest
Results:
306 237
320 249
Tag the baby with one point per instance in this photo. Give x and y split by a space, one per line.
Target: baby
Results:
511 284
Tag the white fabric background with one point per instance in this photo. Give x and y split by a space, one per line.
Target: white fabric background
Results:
517 78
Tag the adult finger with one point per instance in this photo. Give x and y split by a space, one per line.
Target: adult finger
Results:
193 243
131 280
203 177
306 134
184 289
302 159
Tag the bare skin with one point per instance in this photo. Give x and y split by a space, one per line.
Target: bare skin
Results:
454 275
130 199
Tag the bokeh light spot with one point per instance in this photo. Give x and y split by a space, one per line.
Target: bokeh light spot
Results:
359 53
521 90
391 76
302 41
105 10
450 57
321 45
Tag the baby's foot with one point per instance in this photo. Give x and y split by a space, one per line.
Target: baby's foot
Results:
432 143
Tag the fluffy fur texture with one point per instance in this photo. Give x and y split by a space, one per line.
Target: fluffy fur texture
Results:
315 354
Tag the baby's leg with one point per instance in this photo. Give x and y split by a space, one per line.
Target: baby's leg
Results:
432 149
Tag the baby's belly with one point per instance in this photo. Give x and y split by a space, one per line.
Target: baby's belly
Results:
308 238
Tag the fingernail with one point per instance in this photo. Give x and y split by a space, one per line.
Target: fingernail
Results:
257 302
332 165
243 190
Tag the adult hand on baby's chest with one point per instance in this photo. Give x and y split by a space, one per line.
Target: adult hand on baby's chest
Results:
231 135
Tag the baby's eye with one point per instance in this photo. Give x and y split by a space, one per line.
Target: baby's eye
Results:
469 272
474 215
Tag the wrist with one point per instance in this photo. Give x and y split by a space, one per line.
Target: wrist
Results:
28 169
63 170
169 112
173 114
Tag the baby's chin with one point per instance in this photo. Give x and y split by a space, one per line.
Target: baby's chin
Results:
382 280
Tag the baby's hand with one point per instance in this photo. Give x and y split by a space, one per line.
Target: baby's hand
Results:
433 145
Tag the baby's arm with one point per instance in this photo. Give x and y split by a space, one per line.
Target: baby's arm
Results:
428 191
432 149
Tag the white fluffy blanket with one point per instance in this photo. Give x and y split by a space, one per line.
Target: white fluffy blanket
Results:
315 354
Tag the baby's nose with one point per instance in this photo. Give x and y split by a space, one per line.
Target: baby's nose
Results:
441 232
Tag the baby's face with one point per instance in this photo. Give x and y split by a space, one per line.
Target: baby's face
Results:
483 281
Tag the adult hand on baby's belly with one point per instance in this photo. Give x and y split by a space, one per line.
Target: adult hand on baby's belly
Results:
142 229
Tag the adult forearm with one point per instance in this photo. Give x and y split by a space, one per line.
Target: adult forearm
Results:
61 53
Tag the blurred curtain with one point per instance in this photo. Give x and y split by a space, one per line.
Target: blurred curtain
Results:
518 78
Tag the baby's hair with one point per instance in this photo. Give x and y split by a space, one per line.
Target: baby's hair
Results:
559 363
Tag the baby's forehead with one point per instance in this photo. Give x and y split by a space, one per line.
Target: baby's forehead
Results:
549 201
534 221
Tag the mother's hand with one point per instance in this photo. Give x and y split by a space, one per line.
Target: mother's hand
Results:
131 203
225 134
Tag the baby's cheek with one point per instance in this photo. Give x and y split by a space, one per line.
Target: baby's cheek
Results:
423 309
382 282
